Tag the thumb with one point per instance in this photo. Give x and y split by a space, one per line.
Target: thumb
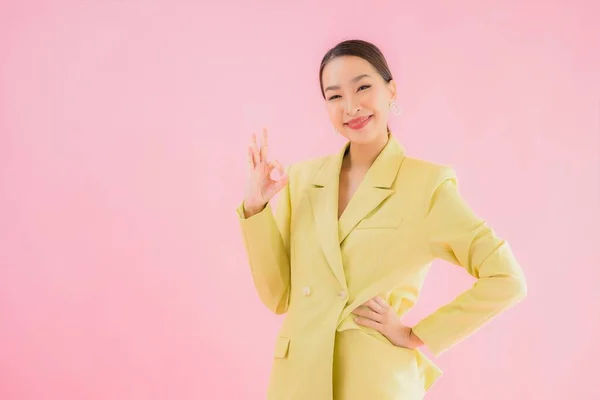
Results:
279 184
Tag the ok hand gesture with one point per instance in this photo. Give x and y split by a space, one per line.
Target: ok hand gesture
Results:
261 187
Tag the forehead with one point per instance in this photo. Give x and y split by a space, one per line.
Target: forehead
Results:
341 70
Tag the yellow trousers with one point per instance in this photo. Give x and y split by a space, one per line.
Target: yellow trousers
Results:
365 367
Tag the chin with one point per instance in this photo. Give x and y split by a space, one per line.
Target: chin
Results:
360 137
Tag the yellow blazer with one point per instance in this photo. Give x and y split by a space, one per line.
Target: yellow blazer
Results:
317 269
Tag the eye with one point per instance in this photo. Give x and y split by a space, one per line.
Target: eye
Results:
363 86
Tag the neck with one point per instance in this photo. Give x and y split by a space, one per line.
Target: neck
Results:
361 156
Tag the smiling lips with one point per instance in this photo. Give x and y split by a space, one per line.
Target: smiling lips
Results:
359 123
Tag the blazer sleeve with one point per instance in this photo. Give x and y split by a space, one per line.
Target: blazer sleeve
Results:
267 241
458 236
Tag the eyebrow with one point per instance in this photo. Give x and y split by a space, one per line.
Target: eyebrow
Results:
335 87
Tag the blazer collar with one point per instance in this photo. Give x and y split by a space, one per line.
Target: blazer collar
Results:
372 191
381 174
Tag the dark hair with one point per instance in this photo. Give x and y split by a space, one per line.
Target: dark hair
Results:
358 48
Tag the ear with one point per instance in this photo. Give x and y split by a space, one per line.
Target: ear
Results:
392 88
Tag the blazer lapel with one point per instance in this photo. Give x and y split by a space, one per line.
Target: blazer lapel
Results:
324 201
373 190
375 187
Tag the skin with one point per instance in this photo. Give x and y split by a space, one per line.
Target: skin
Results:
349 98
369 96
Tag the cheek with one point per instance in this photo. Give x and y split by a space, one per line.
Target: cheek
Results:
381 108
333 111
384 104
373 103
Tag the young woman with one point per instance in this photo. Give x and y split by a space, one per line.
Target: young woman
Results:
350 243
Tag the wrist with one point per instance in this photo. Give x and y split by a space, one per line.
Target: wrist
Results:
252 209
414 339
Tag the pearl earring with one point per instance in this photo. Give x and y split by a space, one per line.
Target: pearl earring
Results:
394 108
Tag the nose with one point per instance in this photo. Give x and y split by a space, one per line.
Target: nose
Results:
352 105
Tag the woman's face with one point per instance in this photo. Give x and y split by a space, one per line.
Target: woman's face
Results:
348 98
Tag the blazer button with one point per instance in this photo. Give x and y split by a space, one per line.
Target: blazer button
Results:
343 294
306 291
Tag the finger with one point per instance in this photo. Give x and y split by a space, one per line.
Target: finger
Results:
279 167
270 167
250 157
381 303
280 184
371 304
255 152
264 146
368 313
276 165
368 323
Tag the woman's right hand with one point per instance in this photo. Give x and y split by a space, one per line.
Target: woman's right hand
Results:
261 187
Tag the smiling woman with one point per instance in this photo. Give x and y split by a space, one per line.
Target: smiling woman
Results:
346 252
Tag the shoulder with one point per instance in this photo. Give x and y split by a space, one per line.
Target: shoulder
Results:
426 171
302 172
425 177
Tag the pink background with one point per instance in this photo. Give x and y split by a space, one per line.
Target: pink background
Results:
123 131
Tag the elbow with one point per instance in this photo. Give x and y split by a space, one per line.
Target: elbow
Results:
278 308
517 289
276 304
273 290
